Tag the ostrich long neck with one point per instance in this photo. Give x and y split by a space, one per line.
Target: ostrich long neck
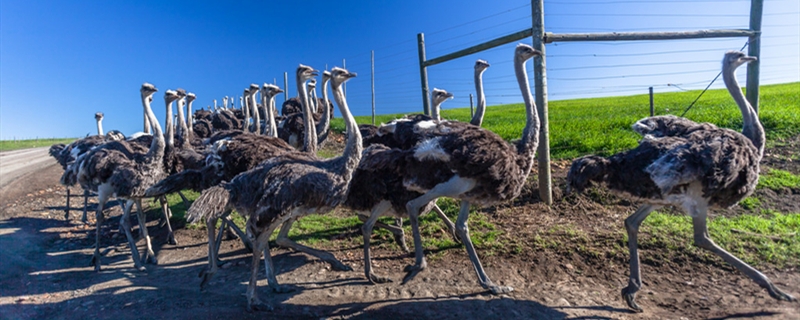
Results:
269 122
752 128
100 126
273 111
477 118
310 139
190 120
435 111
146 124
352 150
156 153
256 115
526 147
170 127
246 108
183 130
324 123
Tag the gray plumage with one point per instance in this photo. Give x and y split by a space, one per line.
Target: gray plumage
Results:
685 164
466 162
283 189
123 172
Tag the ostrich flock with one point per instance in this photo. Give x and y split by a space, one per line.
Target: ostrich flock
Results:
265 166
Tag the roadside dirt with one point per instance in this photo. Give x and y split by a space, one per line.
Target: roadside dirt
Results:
45 271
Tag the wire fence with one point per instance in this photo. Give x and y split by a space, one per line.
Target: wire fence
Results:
574 69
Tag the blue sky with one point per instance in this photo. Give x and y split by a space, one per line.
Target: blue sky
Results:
62 61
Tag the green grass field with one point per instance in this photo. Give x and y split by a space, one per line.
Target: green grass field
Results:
7 145
603 125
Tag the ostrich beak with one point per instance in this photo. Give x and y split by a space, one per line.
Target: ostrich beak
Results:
749 58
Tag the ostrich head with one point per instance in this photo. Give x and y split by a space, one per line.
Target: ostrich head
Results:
481 65
171 95
326 76
253 88
181 93
98 116
339 76
305 73
190 97
312 84
734 59
270 90
147 91
439 95
525 52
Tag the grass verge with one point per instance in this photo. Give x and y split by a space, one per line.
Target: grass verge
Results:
8 145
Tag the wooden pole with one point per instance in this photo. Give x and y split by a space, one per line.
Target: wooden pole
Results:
423 74
652 107
480 47
471 110
623 36
540 84
373 85
754 50
285 86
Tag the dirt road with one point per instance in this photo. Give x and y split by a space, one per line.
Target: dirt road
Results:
45 272
17 163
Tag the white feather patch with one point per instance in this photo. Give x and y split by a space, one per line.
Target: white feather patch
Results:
431 150
424 125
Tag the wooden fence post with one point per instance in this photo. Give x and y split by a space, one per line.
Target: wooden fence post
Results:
423 74
540 84
285 86
373 85
754 50
471 110
652 107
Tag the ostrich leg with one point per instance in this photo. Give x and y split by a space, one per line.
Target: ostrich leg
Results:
463 232
66 210
702 240
101 201
149 256
85 205
632 224
284 241
125 221
213 261
166 210
452 188
366 231
397 231
450 226
185 201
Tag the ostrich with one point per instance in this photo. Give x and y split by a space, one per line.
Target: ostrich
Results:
480 67
687 165
254 108
268 93
293 128
461 161
281 190
230 153
66 155
116 170
190 97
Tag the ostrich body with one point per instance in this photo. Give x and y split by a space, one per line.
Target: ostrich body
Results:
283 189
465 162
687 165
115 172
67 155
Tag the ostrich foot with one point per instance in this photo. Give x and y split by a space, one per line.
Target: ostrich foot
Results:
96 263
206 275
281 288
171 239
376 279
630 296
780 295
339 266
255 304
151 259
413 270
495 289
